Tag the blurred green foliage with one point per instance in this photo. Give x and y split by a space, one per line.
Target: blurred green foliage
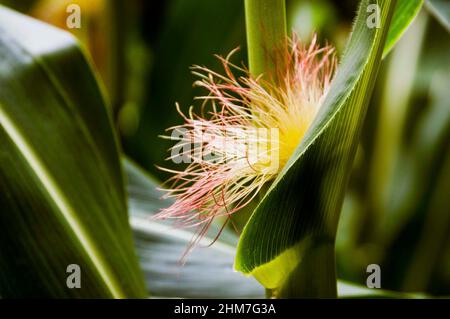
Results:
191 33
395 212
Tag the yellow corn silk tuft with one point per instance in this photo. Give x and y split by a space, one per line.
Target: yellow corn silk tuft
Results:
244 133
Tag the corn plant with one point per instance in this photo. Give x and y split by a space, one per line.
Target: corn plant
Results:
70 195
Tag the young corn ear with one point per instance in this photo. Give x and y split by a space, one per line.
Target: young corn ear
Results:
245 132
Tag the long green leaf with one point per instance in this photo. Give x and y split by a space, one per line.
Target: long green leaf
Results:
62 199
291 234
404 15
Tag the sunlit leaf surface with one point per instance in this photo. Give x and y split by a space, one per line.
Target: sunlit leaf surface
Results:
61 189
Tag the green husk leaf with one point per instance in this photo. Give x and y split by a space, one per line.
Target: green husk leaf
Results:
299 214
62 194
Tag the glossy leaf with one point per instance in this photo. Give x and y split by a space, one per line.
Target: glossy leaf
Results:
404 15
62 197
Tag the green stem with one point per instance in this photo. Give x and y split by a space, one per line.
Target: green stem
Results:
266 34
315 275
